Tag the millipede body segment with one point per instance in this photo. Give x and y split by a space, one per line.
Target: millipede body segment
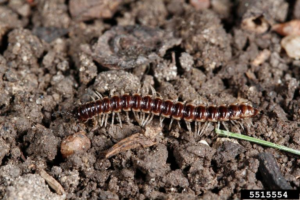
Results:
164 108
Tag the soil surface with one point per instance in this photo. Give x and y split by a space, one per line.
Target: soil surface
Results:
54 54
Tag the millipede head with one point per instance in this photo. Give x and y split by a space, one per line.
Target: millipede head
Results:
79 115
76 113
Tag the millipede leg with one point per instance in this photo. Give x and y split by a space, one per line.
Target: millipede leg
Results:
152 115
147 119
106 118
248 123
127 118
171 123
204 128
95 122
112 119
234 123
98 95
79 127
98 119
143 115
225 126
161 119
111 93
119 118
198 128
137 118
158 94
102 120
217 125
151 118
197 102
144 122
237 126
178 123
240 123
188 125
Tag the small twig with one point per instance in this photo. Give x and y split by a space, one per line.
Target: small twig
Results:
255 140
145 139
134 141
54 184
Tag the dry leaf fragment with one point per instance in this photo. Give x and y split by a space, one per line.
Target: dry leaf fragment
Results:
132 142
146 139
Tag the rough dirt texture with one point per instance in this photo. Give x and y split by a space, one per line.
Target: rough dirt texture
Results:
53 56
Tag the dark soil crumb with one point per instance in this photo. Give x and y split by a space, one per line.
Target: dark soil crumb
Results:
37 147
54 55
271 174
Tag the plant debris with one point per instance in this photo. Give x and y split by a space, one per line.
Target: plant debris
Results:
131 46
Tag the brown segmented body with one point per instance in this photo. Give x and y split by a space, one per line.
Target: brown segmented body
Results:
165 108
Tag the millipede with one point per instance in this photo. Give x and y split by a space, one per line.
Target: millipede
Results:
141 105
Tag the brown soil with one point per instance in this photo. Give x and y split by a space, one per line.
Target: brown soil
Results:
55 54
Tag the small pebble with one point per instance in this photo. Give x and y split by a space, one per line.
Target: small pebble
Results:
291 45
76 143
